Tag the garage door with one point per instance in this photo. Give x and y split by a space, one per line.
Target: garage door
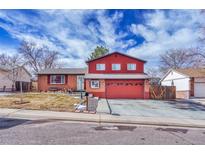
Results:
199 89
125 89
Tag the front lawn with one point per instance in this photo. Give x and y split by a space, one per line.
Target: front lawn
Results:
40 101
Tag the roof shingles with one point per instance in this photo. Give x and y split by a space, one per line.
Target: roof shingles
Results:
192 72
63 71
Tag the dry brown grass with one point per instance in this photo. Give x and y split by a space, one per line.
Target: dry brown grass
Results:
40 101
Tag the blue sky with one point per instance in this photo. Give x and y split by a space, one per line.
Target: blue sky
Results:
75 33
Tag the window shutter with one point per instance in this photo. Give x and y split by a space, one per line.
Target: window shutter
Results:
66 79
48 79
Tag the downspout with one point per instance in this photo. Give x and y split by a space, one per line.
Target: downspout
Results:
144 89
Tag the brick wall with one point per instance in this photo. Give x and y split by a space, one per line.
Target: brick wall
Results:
192 87
182 94
98 92
43 83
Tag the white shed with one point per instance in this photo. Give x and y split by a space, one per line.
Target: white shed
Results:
189 82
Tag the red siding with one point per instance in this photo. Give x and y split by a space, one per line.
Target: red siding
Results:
119 88
118 59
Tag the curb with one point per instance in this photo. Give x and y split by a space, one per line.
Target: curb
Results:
102 120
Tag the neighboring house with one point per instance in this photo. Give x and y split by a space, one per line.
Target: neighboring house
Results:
61 79
10 79
117 75
189 82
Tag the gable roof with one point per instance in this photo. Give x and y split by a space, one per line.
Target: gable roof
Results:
9 68
63 71
116 52
189 72
192 72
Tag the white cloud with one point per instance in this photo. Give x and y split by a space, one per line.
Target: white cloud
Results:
143 31
164 30
157 20
7 50
71 62
66 30
69 32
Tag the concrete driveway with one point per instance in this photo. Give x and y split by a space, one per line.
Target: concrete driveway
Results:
156 108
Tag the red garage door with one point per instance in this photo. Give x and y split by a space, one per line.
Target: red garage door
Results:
126 89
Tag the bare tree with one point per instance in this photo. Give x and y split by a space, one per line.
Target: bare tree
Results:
38 58
183 58
176 58
10 60
198 57
10 63
154 74
13 75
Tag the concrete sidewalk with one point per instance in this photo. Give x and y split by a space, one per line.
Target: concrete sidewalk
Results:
99 118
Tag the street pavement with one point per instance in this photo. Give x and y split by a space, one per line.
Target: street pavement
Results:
44 131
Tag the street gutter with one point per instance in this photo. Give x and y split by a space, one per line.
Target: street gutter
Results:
100 118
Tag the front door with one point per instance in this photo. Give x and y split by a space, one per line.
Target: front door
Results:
80 82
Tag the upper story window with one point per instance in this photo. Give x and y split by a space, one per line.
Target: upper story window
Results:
131 67
100 67
116 67
57 79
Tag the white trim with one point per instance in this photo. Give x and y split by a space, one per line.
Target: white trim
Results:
116 76
117 64
177 79
100 69
135 68
166 74
93 87
57 83
79 77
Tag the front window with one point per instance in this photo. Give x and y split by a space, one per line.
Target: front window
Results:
100 67
131 67
95 84
116 67
57 79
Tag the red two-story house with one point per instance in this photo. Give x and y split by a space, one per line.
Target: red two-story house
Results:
117 75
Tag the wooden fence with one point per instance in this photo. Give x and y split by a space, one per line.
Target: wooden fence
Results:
162 92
